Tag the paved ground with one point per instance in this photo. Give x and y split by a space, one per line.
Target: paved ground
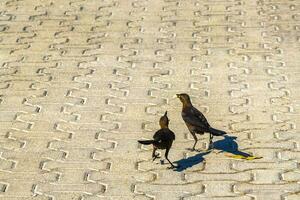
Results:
82 80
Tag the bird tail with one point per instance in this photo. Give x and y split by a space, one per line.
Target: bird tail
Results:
146 142
216 132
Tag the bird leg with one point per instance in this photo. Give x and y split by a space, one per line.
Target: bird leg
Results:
154 155
210 146
196 140
166 156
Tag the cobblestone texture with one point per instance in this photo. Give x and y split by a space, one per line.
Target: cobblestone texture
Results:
82 80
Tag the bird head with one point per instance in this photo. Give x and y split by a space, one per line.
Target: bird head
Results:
164 120
184 98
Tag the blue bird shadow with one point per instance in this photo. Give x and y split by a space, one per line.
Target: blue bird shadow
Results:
229 145
185 163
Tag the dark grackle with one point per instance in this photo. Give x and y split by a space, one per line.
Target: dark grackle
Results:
196 121
162 139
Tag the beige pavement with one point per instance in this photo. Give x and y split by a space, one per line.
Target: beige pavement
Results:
82 80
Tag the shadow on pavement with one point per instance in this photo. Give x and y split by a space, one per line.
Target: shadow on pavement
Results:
229 145
185 163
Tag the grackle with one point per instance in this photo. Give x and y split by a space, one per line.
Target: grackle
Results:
162 139
196 121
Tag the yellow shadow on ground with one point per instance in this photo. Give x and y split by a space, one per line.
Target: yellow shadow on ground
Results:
243 157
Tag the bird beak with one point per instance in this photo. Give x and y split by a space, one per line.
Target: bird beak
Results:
166 113
178 95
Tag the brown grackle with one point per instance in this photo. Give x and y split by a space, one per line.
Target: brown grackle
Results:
196 121
162 139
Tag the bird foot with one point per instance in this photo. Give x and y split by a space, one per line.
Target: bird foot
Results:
156 156
191 149
173 167
218 152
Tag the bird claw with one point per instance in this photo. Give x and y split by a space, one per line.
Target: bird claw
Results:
156 156
191 149
173 167
218 152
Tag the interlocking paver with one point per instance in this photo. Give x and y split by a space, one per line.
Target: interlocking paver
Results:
81 81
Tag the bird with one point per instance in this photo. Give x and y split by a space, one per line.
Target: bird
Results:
162 139
196 121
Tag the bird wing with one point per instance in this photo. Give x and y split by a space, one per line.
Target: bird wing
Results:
194 121
200 116
194 117
158 135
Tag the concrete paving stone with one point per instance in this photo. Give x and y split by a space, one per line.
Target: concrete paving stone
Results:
57 165
219 198
292 197
23 197
170 191
289 155
290 175
264 191
241 166
266 176
243 177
